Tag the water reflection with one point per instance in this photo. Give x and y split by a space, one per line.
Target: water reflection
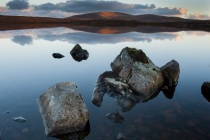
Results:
22 40
26 37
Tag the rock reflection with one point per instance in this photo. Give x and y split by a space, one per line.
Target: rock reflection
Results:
205 89
79 135
135 79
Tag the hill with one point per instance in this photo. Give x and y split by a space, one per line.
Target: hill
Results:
103 19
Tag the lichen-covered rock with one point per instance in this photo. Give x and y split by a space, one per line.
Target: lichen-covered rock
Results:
138 71
79 54
109 83
205 89
171 73
62 109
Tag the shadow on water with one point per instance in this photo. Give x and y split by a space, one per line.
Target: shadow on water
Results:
79 135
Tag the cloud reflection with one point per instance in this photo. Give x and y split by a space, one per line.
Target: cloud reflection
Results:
26 37
22 40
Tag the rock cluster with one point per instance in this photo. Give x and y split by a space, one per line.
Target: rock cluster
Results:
134 78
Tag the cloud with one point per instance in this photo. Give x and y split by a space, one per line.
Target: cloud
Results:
22 40
199 16
17 4
96 6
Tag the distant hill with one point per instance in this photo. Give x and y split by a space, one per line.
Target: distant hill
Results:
127 17
103 19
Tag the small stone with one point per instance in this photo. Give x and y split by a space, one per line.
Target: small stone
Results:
115 117
121 136
19 119
78 53
57 55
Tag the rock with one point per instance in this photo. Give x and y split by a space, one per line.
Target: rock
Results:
121 136
115 117
142 76
169 91
62 109
79 54
171 73
57 55
109 83
205 89
19 119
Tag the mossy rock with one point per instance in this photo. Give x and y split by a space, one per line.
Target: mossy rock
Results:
137 55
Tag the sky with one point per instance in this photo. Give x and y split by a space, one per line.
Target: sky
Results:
193 9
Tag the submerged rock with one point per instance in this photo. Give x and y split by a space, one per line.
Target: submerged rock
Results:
57 55
19 119
79 54
134 67
205 89
62 109
171 73
121 136
115 117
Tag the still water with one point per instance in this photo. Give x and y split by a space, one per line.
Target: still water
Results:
28 69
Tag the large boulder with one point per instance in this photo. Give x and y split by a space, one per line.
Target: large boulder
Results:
78 53
62 109
171 73
136 69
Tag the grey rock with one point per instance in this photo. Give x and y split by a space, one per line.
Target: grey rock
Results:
57 55
62 109
121 136
171 72
115 117
205 89
78 53
138 71
19 119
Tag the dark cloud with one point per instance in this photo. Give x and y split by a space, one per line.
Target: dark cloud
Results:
96 6
17 4
22 40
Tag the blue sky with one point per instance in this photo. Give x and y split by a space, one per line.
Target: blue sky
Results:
196 9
